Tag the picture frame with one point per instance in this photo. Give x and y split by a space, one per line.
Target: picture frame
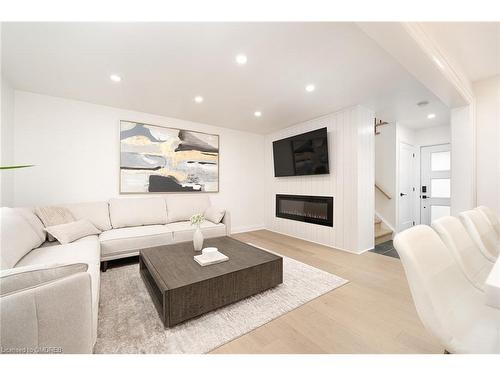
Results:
157 159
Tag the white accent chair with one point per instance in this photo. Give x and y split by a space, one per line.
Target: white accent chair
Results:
491 216
448 305
482 232
465 252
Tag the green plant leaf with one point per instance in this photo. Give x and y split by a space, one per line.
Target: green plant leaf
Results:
17 166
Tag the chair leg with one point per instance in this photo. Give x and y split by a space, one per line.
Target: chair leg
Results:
104 266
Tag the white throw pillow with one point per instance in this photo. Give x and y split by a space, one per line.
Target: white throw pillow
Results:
69 232
214 214
54 215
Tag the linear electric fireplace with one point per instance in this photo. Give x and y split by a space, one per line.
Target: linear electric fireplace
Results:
310 209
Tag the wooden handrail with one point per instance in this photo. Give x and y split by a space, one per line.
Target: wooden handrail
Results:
383 191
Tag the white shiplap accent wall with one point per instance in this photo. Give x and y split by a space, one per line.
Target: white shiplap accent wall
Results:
365 178
350 182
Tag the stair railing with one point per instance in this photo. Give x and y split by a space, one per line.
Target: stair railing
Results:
387 195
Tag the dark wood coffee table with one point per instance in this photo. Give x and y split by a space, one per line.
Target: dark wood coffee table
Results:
181 289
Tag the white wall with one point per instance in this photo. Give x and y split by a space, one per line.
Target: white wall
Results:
462 160
350 182
433 136
487 94
7 144
75 147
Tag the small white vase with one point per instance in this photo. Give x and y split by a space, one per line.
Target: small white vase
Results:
198 239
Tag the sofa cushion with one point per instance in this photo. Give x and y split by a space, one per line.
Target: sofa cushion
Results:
181 207
132 239
183 230
77 252
86 238
96 212
33 220
66 233
132 212
85 251
17 237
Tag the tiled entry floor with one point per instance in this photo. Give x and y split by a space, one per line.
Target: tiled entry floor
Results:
386 248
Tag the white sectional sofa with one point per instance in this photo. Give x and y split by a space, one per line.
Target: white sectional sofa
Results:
40 279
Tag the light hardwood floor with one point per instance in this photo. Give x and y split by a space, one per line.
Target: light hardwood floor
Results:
373 313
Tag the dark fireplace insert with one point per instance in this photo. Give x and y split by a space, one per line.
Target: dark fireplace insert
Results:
310 209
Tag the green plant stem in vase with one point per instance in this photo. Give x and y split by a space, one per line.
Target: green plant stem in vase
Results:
197 220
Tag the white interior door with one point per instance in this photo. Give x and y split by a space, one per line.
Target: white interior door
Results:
406 193
435 184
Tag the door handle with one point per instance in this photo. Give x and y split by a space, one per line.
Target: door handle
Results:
401 194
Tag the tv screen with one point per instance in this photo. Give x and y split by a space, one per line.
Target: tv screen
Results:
302 154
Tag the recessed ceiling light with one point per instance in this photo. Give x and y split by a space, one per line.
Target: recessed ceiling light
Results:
115 78
431 116
241 59
310 88
257 113
198 99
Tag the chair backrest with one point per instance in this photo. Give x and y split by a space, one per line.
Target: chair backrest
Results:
482 233
454 235
436 282
491 216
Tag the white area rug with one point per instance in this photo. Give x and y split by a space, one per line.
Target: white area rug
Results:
129 322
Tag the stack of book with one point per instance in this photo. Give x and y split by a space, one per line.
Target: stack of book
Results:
210 255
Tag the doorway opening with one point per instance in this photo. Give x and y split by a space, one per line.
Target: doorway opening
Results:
412 177
435 182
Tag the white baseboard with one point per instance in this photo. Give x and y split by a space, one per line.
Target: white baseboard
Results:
248 228
359 252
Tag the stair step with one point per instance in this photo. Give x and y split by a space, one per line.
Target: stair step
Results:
382 239
382 234
382 231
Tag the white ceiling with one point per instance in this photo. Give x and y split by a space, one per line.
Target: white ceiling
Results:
165 65
475 46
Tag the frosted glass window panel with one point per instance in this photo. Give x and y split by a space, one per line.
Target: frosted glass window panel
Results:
440 161
440 188
439 211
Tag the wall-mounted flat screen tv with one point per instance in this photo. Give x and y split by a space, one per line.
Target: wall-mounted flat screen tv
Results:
303 154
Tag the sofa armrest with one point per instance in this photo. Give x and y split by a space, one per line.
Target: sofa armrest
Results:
226 220
19 278
51 315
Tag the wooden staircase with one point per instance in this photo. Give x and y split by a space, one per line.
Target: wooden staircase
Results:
382 232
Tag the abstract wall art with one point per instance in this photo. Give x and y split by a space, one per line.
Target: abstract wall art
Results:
155 159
